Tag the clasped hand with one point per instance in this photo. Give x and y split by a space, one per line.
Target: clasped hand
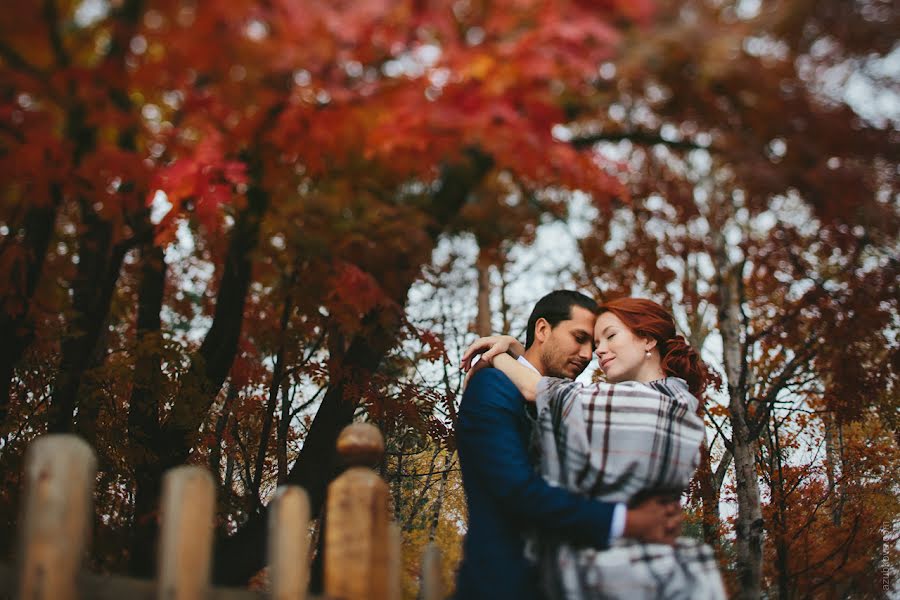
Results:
656 520
482 351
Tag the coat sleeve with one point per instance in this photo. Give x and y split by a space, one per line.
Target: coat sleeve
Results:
491 448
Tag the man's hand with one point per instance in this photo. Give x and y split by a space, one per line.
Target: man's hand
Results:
656 520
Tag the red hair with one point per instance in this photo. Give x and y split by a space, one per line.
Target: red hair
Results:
649 320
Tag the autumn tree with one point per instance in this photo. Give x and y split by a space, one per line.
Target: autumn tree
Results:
765 207
212 215
829 525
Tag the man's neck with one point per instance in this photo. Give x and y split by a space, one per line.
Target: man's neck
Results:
533 356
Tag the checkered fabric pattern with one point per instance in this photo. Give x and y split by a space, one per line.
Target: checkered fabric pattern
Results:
619 442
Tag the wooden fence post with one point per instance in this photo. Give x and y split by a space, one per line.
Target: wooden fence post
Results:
56 516
357 550
431 585
395 562
185 543
289 544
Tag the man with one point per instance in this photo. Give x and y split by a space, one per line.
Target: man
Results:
505 495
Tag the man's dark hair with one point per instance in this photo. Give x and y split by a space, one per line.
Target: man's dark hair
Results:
556 307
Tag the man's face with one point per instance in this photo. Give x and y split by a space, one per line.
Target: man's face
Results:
566 349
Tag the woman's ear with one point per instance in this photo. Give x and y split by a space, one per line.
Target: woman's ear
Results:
649 344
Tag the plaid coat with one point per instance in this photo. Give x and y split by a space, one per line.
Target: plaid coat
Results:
617 443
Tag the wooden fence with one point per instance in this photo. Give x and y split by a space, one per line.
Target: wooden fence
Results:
362 558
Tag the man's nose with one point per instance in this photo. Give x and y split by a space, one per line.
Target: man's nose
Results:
586 351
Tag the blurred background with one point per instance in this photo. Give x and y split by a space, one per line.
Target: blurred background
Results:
229 228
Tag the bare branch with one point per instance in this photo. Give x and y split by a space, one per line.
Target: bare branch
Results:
722 469
18 62
641 138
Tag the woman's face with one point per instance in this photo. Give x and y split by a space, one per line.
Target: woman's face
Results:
621 353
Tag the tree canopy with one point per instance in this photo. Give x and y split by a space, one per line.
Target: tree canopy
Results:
218 224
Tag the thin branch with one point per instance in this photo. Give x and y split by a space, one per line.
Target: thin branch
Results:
246 475
768 400
307 404
51 16
722 469
844 546
18 62
641 138
428 474
728 443
305 360
422 491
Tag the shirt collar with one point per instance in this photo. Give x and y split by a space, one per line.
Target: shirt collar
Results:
525 362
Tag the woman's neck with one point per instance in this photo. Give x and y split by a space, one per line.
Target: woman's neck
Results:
650 373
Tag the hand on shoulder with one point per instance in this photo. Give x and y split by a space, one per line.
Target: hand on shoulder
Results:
481 353
488 347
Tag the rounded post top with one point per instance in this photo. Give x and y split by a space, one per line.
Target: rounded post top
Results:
360 445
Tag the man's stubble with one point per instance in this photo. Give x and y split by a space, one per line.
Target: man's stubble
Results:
553 362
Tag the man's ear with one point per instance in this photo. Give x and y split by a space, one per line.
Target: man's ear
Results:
542 330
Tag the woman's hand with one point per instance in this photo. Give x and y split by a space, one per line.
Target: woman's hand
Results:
500 351
488 348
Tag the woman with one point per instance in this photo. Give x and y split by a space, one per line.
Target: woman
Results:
635 435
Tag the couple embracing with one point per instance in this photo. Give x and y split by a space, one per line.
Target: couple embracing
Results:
573 490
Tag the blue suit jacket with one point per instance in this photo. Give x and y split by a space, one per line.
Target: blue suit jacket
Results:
506 496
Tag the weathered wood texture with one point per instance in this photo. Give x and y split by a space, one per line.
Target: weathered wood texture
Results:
289 544
116 587
59 483
357 537
362 548
187 511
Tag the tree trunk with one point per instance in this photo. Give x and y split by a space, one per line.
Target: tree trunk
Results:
16 322
504 302
143 414
749 522
709 497
439 501
274 388
215 447
92 292
211 364
832 460
483 318
239 557
398 484
284 428
780 518
99 260
722 470
17 331
242 554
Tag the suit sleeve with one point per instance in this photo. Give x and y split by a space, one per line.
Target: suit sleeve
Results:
491 448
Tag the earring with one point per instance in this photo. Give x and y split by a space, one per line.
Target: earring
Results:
647 354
